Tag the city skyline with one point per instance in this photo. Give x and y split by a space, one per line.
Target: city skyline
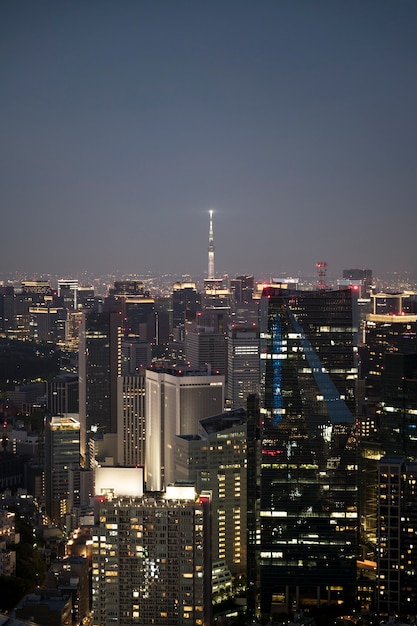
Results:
123 125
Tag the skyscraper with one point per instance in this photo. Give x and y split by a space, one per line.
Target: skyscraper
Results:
308 475
131 420
62 451
176 399
99 368
215 461
242 364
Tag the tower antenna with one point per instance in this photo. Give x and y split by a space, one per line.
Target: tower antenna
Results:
210 271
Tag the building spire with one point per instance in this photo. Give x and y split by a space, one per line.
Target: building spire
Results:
210 272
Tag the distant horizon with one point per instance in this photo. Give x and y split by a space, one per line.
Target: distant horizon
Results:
124 124
16 277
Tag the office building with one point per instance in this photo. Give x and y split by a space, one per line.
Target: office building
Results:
397 411
243 370
68 292
99 369
214 459
206 349
308 472
62 451
137 308
136 355
365 278
131 421
62 394
186 301
241 289
176 400
386 333
7 321
47 323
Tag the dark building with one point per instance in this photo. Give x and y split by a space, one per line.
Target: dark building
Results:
99 367
386 334
365 276
46 606
308 475
62 394
206 348
241 288
6 308
398 412
186 301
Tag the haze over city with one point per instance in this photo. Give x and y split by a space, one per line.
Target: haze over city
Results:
124 123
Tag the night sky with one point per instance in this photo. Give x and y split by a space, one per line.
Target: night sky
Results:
124 121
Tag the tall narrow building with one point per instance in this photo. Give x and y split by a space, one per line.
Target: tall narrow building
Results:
62 452
99 369
308 474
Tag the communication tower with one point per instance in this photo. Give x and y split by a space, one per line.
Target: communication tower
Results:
321 271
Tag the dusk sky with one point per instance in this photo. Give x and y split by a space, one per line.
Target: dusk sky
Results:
125 121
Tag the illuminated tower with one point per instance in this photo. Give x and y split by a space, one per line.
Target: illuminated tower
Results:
210 272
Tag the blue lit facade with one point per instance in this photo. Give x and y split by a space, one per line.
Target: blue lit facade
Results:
308 475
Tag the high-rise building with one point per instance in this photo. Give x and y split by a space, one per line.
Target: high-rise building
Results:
99 368
136 307
68 292
186 301
242 364
176 400
308 473
131 421
215 460
7 321
62 452
384 334
152 560
241 289
365 278
62 394
206 349
397 529
398 407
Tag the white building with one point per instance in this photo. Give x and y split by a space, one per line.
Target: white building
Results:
176 400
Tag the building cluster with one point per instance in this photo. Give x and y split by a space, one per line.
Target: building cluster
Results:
230 433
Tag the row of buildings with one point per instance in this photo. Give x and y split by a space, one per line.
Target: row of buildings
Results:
301 443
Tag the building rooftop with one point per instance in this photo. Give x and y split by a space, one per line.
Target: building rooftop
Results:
223 421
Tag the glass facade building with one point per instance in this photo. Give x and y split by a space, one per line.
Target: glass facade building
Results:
308 450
